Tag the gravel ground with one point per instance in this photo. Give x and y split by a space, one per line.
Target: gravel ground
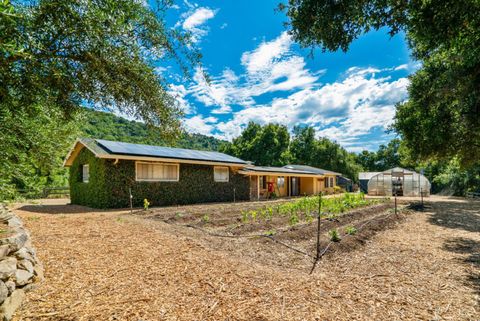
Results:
113 266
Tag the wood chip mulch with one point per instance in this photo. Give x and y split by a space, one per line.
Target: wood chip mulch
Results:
112 266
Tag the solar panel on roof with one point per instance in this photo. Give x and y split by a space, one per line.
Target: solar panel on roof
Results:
166 152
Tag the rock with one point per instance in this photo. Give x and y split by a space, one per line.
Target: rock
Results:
11 304
8 267
23 277
4 250
24 254
26 265
14 222
3 292
5 216
10 286
30 287
39 272
15 241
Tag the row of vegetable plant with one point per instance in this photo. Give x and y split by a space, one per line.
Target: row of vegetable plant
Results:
305 209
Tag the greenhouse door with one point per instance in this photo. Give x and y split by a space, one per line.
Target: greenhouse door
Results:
397 185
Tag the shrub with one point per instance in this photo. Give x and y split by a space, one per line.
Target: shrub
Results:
244 216
350 230
270 233
205 218
146 204
293 219
334 235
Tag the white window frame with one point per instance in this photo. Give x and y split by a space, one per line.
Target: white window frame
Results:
83 173
155 179
221 167
283 179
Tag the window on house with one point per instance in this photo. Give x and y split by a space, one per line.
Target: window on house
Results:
85 173
280 181
220 174
331 182
327 182
263 182
157 172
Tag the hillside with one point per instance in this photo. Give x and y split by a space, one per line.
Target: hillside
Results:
111 127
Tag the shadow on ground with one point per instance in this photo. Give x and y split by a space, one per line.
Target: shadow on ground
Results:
57 209
457 215
471 256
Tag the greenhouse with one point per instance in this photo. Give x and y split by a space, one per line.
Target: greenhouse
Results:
400 182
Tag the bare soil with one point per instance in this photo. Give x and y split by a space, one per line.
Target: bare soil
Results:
110 265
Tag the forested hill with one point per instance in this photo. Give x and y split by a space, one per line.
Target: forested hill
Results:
108 126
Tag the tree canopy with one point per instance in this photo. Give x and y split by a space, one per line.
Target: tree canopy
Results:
386 157
271 145
264 145
66 53
441 117
57 55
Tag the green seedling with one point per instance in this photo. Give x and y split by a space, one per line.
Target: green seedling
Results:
350 230
334 235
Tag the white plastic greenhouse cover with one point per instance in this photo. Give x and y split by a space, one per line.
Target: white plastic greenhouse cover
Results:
407 183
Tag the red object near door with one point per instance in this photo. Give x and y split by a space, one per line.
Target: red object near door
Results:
270 187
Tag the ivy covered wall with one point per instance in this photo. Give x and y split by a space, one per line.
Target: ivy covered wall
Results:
109 184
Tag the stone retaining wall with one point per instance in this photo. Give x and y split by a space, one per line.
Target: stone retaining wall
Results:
20 270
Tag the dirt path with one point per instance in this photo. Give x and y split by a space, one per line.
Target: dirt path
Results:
110 266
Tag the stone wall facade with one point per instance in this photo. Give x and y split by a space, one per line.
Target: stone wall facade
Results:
20 270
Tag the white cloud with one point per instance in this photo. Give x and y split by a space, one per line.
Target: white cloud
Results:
179 92
343 111
199 124
263 56
198 17
347 110
271 67
195 20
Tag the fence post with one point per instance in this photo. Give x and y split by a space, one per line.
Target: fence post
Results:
318 224
131 197
234 195
421 195
395 203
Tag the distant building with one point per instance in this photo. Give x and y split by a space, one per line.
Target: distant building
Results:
396 181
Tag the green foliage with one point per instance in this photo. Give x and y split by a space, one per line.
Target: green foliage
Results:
33 143
449 178
58 55
146 204
388 156
265 146
108 126
440 119
306 208
270 233
270 145
350 230
205 218
322 153
108 185
334 235
63 53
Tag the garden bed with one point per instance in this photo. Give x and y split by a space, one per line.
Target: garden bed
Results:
283 232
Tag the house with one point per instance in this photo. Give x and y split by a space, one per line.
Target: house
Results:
290 180
395 181
106 174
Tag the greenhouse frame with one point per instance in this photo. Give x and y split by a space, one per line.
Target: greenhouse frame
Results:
400 182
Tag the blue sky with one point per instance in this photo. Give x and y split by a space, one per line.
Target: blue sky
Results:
259 74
